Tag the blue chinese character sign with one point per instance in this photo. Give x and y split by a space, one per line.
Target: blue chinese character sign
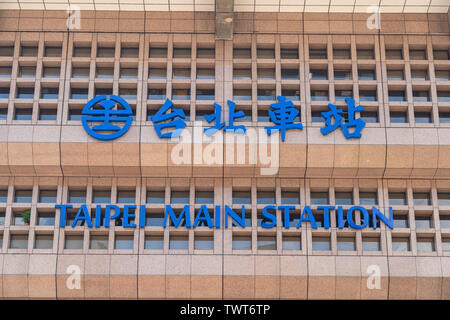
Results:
102 109
336 114
176 117
283 115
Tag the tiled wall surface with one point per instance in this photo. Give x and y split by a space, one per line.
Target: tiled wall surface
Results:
401 159
416 147
254 262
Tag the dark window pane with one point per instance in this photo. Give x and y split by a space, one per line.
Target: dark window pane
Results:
267 243
74 242
342 54
319 198
156 196
53 51
77 196
242 242
46 219
82 51
290 197
23 196
398 117
287 53
154 242
49 93
6 51
365 54
106 52
29 51
366 74
158 53
25 93
241 197
318 53
178 242
239 53
123 242
318 74
179 197
394 54
206 53
129 52
417 55
47 196
181 52
395 75
321 243
397 199
204 243
401 221
265 53
23 113
18 241
400 244
204 197
126 196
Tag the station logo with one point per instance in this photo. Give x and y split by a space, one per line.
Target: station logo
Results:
102 115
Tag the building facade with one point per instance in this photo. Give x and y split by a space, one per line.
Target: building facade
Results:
399 72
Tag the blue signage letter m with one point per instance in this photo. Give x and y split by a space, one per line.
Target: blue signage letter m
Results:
177 220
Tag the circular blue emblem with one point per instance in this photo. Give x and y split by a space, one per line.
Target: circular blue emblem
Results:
101 112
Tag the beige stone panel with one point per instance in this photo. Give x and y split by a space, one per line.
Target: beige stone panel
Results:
180 165
126 159
292 287
238 287
46 158
429 288
446 288
425 161
429 277
320 160
443 162
348 287
206 287
97 287
42 286
379 294
15 286
63 291
178 287
151 287
240 159
372 160
242 182
100 159
123 286
346 160
4 166
74 158
321 287
292 158
399 161
207 171
289 183
402 288
9 24
154 159
267 287
20 158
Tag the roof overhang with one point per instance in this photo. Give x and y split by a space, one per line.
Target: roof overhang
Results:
326 6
